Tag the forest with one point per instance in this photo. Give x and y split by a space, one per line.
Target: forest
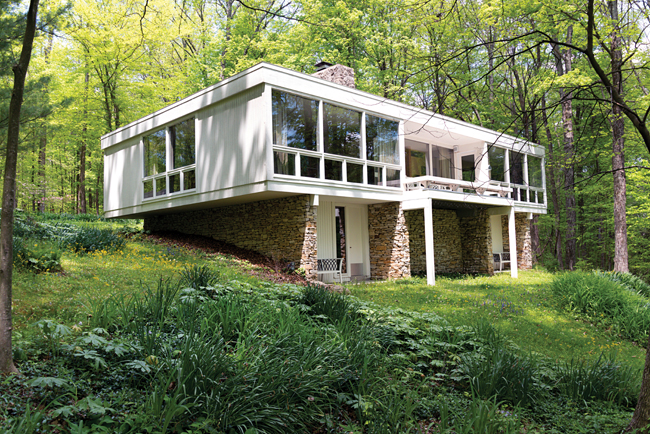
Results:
539 70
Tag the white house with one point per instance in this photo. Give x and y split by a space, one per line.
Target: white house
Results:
302 167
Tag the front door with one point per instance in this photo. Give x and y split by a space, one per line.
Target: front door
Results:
354 246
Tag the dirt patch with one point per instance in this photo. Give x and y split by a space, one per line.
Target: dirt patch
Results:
261 266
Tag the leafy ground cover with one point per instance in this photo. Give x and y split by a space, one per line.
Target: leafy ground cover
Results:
162 337
524 309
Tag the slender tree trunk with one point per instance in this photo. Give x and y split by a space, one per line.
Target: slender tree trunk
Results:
41 170
81 188
618 140
563 61
9 191
553 187
641 414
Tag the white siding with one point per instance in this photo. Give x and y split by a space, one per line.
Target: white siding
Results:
231 142
325 223
123 168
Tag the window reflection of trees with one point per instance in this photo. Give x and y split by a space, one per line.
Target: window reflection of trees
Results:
341 131
295 121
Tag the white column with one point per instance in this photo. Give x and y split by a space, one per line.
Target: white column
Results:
428 241
512 238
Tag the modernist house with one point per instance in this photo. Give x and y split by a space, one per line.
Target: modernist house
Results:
301 167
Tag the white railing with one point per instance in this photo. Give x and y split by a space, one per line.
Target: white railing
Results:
455 185
384 178
524 193
520 193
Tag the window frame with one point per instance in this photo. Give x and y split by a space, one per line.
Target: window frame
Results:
323 156
164 177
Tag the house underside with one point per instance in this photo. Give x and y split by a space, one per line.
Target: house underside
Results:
377 241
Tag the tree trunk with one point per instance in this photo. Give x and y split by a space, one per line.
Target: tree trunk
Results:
81 188
41 170
553 187
9 191
642 410
563 61
618 140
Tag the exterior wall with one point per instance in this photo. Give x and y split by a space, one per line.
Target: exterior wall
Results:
388 241
446 242
524 243
230 136
123 168
281 228
476 243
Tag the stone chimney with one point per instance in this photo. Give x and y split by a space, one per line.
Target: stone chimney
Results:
338 74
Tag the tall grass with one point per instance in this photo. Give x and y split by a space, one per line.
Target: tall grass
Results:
600 299
603 379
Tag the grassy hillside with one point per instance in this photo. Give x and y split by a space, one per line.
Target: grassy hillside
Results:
523 309
133 336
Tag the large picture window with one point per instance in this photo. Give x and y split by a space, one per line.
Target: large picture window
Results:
315 139
496 160
181 137
341 131
442 162
155 153
535 171
516 167
295 121
382 140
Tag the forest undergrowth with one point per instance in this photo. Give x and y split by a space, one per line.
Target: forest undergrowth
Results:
142 337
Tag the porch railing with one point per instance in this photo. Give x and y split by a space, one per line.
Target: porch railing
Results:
518 192
455 185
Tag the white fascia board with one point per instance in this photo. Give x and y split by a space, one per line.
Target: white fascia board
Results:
343 191
458 197
167 202
535 209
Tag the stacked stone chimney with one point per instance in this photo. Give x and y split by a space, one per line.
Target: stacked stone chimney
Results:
338 74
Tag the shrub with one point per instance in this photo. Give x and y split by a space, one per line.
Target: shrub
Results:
602 379
87 240
198 277
500 373
627 280
39 258
598 298
320 301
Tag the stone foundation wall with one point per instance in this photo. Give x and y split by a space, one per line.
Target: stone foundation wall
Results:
388 241
280 228
446 241
524 243
476 243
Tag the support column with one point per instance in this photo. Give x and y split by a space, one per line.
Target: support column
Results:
426 206
512 240
428 240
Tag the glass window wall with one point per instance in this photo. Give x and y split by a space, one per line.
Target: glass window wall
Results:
295 121
382 140
341 131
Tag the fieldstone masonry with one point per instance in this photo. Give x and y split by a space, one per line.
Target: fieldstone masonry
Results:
397 246
476 236
446 241
280 228
524 243
389 241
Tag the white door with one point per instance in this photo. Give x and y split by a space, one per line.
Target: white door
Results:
355 247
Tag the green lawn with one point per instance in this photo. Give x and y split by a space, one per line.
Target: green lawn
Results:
521 308
93 277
